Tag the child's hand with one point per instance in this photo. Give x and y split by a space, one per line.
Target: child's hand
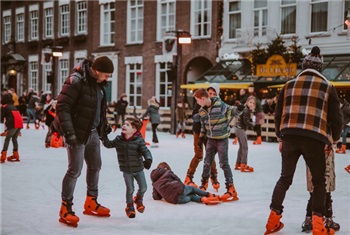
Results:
147 163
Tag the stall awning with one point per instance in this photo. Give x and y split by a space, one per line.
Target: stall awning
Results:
233 85
336 84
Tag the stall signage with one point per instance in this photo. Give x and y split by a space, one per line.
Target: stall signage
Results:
276 66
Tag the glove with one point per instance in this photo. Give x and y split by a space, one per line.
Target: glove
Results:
240 107
71 141
147 163
202 140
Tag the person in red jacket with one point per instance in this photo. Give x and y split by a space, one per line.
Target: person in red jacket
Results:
14 124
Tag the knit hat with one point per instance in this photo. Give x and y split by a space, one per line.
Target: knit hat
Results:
6 99
216 88
103 64
313 60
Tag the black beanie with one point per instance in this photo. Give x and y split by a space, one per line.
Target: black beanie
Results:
103 64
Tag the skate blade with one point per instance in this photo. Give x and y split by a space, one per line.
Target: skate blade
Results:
348 170
95 214
229 199
275 230
67 223
212 203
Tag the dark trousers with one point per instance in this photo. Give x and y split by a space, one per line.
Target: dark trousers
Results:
154 132
314 156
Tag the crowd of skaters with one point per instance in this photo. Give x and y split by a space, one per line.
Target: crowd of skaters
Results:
273 224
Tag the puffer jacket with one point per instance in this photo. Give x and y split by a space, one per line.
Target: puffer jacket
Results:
243 121
166 185
153 112
9 112
130 152
77 104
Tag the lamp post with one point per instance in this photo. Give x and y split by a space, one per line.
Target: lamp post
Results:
56 51
182 37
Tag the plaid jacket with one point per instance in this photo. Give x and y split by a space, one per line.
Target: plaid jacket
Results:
309 106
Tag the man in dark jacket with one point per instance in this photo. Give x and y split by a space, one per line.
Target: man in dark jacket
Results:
307 118
81 119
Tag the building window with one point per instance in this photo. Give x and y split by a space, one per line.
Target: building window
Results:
319 15
346 9
166 17
234 14
63 68
288 16
260 18
7 28
134 84
135 21
81 17
34 25
33 75
20 27
107 24
47 69
163 85
64 20
79 56
201 18
48 22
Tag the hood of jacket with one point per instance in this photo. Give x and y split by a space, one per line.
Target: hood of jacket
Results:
216 87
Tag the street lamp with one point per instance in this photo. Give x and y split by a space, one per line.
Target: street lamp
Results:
56 51
182 37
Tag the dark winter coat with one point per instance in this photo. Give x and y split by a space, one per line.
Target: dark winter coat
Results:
120 106
10 113
308 106
130 152
346 113
166 185
243 121
196 127
77 104
153 113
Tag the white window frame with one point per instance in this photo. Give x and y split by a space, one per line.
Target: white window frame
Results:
81 17
313 3
107 25
64 19
166 21
33 72
135 60
166 60
47 68
7 26
233 35
260 29
195 10
20 21
48 20
79 56
288 7
135 19
63 70
34 22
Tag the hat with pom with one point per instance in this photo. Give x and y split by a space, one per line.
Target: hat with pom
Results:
313 60
103 64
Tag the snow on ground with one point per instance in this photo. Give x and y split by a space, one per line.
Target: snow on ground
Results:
30 193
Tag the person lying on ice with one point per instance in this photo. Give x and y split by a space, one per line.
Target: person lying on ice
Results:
169 186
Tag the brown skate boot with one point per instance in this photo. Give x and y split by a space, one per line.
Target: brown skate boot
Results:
189 180
231 194
14 157
92 207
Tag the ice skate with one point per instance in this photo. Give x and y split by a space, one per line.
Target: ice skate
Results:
215 182
14 157
342 150
211 199
318 226
67 216
246 168
230 195
306 227
273 223
347 169
3 156
329 223
130 210
258 140
237 167
189 181
139 204
204 184
92 207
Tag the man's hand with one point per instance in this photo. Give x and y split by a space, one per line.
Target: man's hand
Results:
71 141
147 163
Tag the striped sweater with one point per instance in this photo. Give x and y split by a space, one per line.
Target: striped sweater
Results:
216 118
309 106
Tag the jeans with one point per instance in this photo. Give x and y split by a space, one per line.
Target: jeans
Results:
116 119
31 114
345 134
314 155
11 133
90 152
242 155
191 194
221 147
129 183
